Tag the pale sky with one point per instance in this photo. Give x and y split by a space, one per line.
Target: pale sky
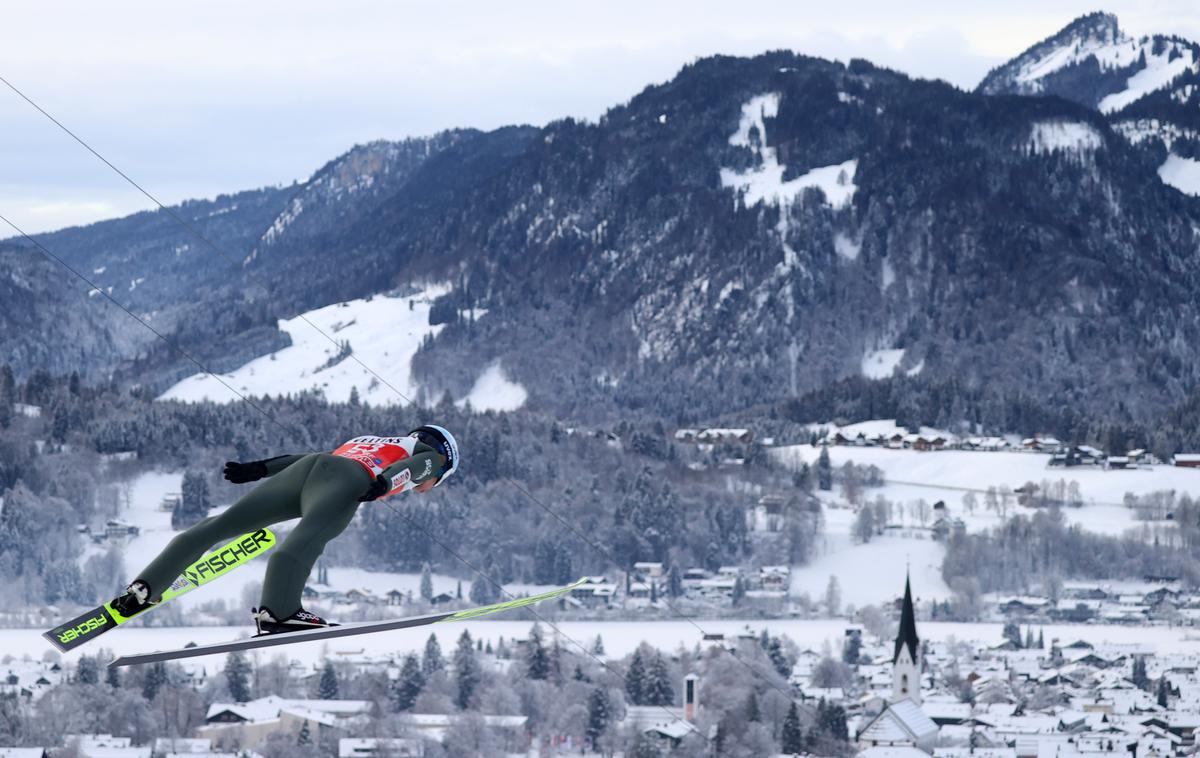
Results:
198 99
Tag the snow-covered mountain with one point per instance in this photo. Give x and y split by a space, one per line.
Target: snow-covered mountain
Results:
749 231
1093 62
1149 87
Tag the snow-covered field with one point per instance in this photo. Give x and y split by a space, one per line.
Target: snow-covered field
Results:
384 333
859 568
948 475
913 476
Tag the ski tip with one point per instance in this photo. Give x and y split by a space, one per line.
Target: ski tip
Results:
49 635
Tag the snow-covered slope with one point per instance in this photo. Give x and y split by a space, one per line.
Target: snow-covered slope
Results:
765 183
949 475
858 567
1064 136
1092 61
383 332
1181 173
493 391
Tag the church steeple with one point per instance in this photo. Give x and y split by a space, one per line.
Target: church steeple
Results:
906 661
907 636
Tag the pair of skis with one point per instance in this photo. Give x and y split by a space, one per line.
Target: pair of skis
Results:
212 565
221 561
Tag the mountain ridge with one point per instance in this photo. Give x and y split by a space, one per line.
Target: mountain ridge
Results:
673 260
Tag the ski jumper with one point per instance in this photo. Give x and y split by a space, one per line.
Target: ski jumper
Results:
322 490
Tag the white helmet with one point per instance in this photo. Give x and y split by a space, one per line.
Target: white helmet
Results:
443 441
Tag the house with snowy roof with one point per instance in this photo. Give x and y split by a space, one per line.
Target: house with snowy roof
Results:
29 680
669 724
719 434
901 724
1041 444
686 435
250 723
596 591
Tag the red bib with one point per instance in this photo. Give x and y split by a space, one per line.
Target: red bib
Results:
377 453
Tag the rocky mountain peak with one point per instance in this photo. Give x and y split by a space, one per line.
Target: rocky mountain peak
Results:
1093 62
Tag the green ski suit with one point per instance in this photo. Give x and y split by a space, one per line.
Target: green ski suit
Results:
321 489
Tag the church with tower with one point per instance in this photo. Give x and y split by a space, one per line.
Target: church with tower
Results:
902 723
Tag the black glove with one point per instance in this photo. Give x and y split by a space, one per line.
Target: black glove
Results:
241 473
380 487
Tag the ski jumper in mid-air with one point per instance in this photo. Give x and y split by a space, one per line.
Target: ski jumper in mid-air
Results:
323 490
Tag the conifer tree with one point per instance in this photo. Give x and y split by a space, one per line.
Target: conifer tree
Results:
305 736
851 649
831 720
635 678
328 687
1164 692
156 677
598 646
194 501
237 676
432 661
792 737
408 687
824 470
86 671
483 591
466 671
1139 678
537 661
1012 633
563 567
778 658
599 717
656 687
112 677
556 664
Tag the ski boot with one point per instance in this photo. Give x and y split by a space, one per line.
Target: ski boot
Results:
299 621
134 600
